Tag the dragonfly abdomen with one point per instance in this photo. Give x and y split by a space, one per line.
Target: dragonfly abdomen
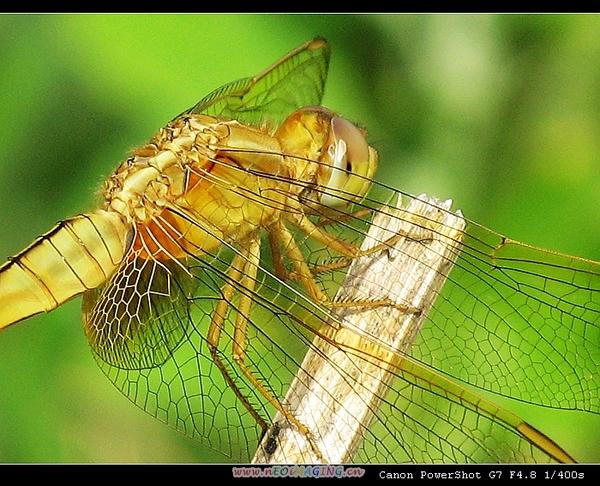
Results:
77 255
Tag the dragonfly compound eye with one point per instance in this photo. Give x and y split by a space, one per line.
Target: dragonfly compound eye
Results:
353 164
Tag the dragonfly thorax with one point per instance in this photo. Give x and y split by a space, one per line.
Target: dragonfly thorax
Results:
154 175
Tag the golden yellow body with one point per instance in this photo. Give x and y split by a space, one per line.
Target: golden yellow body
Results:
199 182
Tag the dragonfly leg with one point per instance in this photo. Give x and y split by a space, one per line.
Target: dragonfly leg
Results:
329 267
305 276
284 275
327 221
278 266
299 219
214 333
243 269
248 284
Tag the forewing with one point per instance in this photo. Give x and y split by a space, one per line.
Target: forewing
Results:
296 80
512 319
523 322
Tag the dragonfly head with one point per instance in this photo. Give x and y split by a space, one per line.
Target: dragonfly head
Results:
349 164
337 165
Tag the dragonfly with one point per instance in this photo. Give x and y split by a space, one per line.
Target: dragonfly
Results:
214 261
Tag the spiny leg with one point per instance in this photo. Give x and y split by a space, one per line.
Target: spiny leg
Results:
304 274
283 274
328 221
216 326
329 267
299 219
248 285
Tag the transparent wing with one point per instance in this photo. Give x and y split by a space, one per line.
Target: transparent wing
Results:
524 323
296 80
515 320
188 391
137 319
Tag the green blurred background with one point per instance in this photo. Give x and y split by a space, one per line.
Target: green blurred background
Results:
499 113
